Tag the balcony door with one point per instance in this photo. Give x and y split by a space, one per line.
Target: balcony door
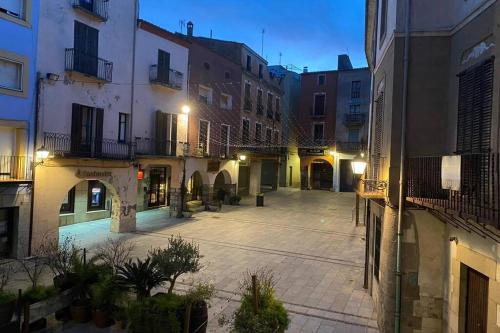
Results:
157 187
163 66
86 45
86 130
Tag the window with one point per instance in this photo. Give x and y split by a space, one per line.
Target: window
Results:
261 68
319 104
378 239
269 105
258 132
96 196
355 108
12 7
475 94
276 137
356 89
205 95
247 105
321 80
11 74
227 75
224 139
245 133
249 63
318 133
163 75
269 135
353 135
277 104
122 127
226 101
87 120
68 204
203 136
260 102
383 19
86 129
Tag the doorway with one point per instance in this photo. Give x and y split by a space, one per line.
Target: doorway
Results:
157 187
6 231
322 175
347 179
474 300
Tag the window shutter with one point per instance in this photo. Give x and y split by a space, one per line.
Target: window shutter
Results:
76 128
99 121
163 66
475 94
173 136
161 132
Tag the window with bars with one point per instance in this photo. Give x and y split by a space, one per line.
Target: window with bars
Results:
258 132
355 89
475 95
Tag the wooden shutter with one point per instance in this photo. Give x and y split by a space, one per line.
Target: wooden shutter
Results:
173 136
477 302
86 45
161 132
378 134
98 140
163 66
475 95
76 128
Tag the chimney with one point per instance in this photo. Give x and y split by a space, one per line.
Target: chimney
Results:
344 63
190 28
305 69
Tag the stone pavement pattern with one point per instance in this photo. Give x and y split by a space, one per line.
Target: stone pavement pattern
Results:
307 238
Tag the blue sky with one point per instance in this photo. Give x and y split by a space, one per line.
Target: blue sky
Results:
307 32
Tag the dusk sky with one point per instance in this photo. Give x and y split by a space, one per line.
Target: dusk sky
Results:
307 33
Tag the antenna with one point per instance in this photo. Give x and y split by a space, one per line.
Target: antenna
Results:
262 49
182 23
280 58
210 33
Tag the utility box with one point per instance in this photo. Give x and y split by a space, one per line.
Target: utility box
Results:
259 200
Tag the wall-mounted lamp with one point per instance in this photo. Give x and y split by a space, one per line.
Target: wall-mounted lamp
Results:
186 109
454 239
242 157
52 76
358 165
332 153
41 155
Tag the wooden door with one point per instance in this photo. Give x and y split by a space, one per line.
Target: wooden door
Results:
476 311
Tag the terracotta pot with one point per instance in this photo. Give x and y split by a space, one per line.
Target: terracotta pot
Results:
7 311
80 312
102 318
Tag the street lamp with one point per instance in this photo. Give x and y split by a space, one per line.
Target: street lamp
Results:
186 109
41 155
243 157
358 165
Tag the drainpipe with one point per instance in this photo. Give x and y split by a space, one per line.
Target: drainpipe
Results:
397 314
132 90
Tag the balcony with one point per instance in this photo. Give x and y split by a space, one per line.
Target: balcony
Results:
95 8
345 147
474 196
15 169
171 78
247 104
354 119
89 65
260 109
153 147
62 145
270 113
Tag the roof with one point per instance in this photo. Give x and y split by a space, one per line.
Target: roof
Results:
160 32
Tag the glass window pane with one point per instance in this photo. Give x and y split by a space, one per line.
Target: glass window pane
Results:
10 75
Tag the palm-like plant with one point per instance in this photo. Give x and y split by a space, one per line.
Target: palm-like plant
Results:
140 276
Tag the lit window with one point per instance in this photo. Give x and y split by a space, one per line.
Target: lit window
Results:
122 127
11 75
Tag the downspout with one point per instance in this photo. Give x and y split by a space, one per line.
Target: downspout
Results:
132 90
397 314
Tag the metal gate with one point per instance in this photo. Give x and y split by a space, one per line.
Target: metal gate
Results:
477 302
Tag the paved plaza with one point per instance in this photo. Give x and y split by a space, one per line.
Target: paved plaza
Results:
307 238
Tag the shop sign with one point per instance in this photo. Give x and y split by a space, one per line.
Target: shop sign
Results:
311 152
92 174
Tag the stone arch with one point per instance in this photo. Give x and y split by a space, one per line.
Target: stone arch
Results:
196 184
321 174
222 180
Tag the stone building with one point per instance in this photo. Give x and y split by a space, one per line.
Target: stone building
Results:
433 255
18 21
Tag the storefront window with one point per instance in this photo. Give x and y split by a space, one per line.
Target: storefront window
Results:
97 196
68 204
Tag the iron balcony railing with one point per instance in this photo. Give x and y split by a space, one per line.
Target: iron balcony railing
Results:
96 8
354 119
90 65
15 168
152 147
477 196
350 146
64 145
260 109
166 77
247 104
318 112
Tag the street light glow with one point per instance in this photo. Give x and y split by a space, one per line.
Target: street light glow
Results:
42 153
186 109
358 166
243 157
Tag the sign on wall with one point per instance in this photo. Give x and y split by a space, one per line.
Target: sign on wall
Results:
450 172
311 152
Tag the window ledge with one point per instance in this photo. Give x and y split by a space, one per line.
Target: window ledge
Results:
97 211
14 19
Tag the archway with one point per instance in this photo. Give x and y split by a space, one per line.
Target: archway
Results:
195 187
321 175
222 181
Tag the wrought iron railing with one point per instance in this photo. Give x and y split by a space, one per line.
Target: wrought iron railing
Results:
350 146
477 196
153 147
169 78
260 109
87 64
64 145
354 119
14 168
247 104
97 8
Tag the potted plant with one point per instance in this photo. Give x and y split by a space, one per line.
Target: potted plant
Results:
104 295
7 300
60 258
160 314
178 258
141 276
197 300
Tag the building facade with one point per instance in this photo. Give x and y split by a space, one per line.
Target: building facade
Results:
435 98
85 115
18 90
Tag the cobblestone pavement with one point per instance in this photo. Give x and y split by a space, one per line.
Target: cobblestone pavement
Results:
307 238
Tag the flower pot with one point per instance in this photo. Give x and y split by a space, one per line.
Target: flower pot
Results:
199 318
7 311
102 318
80 311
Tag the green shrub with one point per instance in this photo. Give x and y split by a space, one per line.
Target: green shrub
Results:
38 293
105 294
158 314
6 297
